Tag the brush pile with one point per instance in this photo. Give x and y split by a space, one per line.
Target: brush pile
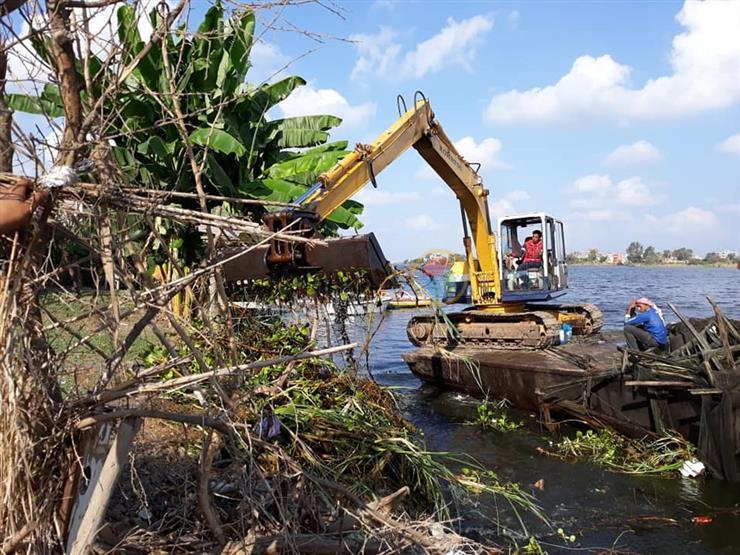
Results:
703 361
128 426
140 410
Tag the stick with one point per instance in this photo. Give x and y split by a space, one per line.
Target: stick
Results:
194 419
204 501
171 385
657 383
723 334
699 338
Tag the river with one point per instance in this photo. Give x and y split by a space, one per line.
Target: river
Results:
633 514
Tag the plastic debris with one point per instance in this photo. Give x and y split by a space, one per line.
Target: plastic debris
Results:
268 427
58 176
692 468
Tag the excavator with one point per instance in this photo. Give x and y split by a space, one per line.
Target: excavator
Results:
510 308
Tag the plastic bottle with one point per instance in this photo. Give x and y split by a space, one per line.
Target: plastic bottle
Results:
566 332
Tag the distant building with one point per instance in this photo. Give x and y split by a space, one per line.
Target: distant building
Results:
725 254
617 258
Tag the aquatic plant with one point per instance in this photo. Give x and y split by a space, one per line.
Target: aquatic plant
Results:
494 416
533 547
644 456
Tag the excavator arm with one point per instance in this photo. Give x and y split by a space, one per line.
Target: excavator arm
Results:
490 322
416 128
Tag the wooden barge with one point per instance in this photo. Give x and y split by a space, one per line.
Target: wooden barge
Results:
589 378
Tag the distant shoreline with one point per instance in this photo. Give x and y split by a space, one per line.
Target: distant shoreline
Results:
724 265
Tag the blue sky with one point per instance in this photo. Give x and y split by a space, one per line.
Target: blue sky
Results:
621 118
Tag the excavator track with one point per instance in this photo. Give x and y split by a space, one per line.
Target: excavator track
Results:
586 319
524 330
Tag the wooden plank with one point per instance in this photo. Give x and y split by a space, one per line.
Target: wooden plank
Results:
708 391
657 383
723 334
700 339
102 463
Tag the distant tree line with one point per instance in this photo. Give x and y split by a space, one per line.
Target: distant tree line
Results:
637 254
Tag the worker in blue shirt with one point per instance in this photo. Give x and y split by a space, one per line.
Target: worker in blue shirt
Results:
644 326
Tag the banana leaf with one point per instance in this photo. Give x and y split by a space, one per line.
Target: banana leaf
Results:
218 140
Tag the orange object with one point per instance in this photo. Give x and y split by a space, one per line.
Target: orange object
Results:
702 519
17 203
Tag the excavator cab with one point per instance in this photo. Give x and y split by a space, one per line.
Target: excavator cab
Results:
531 282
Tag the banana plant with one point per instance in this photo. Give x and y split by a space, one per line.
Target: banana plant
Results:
244 152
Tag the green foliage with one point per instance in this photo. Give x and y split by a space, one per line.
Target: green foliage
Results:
683 254
650 256
635 251
321 286
493 416
243 152
645 456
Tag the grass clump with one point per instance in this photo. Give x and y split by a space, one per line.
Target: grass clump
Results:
633 456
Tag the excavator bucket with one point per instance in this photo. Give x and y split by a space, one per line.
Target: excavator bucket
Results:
361 252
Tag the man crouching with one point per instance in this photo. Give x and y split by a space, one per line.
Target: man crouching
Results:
644 326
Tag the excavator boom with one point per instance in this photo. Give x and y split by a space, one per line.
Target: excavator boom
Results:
507 324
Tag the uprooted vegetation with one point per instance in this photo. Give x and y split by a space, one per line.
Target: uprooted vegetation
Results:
128 375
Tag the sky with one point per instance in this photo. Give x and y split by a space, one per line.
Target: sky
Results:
622 119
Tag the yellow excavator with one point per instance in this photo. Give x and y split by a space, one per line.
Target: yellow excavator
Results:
510 307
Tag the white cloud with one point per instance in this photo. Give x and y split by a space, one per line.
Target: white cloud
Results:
518 195
704 59
597 195
603 215
370 196
486 153
506 205
592 184
268 62
731 145
421 222
686 222
381 55
513 19
633 192
732 207
308 100
498 208
641 152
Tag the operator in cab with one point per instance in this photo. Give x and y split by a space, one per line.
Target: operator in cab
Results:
644 326
532 255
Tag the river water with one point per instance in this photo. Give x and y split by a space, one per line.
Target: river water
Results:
634 514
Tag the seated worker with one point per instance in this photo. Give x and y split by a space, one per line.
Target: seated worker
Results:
532 256
644 326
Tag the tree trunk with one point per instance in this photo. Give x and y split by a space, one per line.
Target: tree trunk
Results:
6 117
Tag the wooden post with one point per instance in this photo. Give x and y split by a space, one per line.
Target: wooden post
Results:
102 463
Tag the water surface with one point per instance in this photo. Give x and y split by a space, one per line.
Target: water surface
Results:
634 513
